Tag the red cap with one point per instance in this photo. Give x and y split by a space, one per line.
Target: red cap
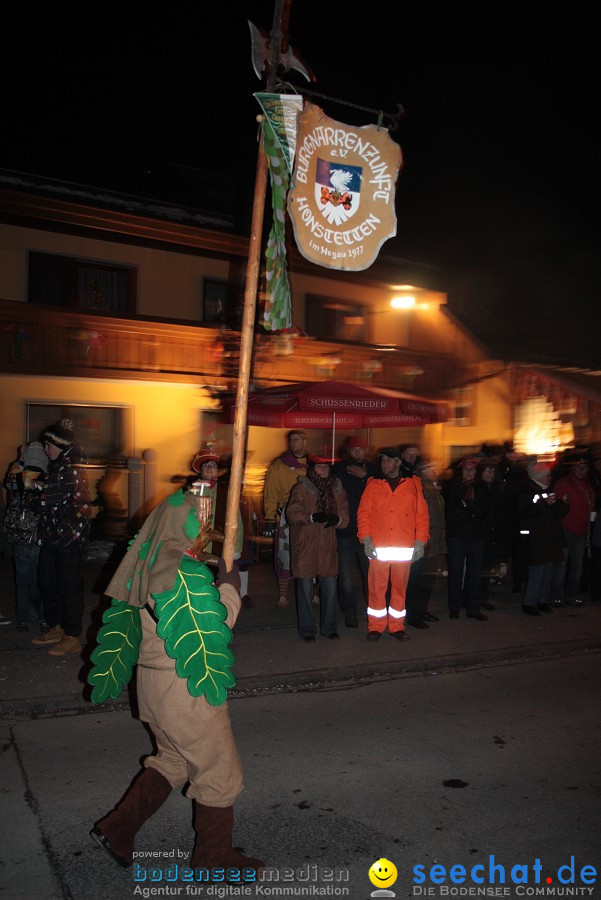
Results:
321 458
356 442
537 468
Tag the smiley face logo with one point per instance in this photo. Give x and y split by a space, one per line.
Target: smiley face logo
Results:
382 873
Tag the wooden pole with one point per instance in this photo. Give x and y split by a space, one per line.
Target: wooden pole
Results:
250 305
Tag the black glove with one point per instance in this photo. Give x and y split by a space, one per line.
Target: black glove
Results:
320 517
333 519
232 577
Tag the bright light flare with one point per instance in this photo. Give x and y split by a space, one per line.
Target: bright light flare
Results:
407 301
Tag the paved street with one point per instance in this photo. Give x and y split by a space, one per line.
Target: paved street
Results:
271 657
335 778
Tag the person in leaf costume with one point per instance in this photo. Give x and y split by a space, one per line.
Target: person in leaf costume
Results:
183 632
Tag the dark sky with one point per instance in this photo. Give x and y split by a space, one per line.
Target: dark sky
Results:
499 187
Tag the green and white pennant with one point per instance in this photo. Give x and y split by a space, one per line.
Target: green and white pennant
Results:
279 135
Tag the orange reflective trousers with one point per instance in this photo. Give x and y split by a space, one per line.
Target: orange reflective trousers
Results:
378 617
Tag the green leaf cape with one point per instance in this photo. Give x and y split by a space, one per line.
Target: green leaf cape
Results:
190 616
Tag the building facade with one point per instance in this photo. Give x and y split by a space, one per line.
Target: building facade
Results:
128 323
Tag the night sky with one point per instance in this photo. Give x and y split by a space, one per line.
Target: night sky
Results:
499 187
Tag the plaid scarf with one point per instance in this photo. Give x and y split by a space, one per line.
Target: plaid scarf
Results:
326 500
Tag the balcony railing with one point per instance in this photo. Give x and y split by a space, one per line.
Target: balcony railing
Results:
41 340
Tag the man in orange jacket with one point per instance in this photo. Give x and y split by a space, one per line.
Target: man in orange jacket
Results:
393 526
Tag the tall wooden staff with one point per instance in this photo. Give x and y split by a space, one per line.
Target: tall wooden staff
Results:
250 303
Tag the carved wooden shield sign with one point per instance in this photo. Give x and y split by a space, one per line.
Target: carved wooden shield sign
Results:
342 200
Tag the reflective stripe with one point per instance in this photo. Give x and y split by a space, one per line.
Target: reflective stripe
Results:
394 554
376 613
525 532
395 613
536 498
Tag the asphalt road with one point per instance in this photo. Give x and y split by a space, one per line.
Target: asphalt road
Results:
336 779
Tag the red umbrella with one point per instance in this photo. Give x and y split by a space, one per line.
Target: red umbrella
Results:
339 404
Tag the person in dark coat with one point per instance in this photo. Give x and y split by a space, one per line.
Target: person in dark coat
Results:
317 506
467 505
596 556
423 571
64 505
496 548
22 527
515 483
353 471
541 526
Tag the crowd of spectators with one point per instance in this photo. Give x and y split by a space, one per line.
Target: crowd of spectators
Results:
531 518
494 515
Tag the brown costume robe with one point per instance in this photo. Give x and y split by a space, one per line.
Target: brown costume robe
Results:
194 739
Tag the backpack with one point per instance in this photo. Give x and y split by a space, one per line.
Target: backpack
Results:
20 521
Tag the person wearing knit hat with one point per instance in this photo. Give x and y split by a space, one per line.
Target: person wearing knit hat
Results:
470 462
64 528
539 472
34 458
352 470
409 454
60 435
540 517
357 441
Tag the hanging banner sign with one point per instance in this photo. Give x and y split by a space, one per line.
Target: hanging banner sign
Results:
342 200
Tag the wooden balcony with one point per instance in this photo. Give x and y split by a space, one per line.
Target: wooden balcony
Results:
42 340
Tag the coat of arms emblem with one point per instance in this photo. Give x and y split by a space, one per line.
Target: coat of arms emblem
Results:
337 190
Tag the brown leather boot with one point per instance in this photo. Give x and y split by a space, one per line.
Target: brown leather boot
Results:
116 832
213 845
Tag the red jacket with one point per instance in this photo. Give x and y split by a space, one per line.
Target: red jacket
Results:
393 518
581 502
